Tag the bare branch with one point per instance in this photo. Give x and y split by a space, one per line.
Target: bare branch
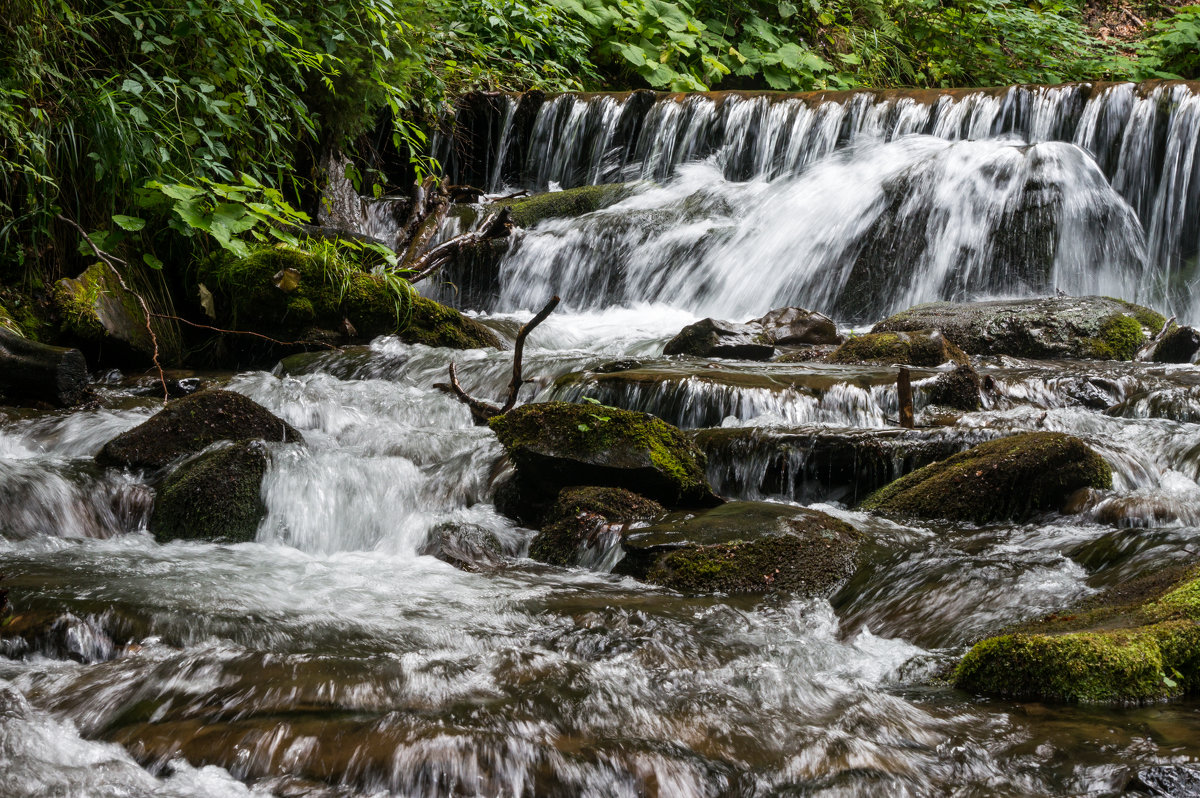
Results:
242 332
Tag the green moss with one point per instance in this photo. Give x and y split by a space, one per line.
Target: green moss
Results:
916 349
77 301
1152 320
527 212
1119 338
216 496
434 324
580 513
1009 478
598 444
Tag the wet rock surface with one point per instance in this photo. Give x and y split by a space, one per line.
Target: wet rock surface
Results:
1181 345
1056 327
215 496
958 389
191 424
584 522
793 326
1010 478
927 348
744 547
723 339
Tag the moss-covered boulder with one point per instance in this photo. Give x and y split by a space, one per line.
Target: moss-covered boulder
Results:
528 211
291 295
190 425
585 521
744 547
959 389
558 444
99 315
919 348
1139 642
1056 327
216 496
1009 478
1180 345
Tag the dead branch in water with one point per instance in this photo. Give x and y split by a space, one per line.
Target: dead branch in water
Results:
481 411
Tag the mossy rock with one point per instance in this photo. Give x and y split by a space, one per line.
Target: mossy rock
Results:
559 444
314 303
1009 478
216 496
959 389
190 425
1056 327
528 211
745 547
1113 650
921 348
7 322
98 314
581 515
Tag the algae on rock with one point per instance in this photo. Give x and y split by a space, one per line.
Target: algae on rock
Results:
528 211
927 348
580 516
1009 478
216 496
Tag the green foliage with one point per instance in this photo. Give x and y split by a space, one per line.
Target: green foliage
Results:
1172 50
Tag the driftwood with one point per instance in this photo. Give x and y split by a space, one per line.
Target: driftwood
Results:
496 225
481 411
33 372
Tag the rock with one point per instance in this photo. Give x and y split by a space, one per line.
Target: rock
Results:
31 372
216 496
807 354
1009 478
189 425
744 547
920 348
103 317
807 464
584 522
468 547
713 338
796 326
1170 781
1056 327
556 444
959 389
1144 511
528 211
1140 642
1180 345
248 297
1176 404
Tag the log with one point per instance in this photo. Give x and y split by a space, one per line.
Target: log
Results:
905 395
33 372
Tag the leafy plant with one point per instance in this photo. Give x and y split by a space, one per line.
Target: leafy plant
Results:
1172 50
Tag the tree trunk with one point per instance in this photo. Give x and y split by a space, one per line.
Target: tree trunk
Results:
33 372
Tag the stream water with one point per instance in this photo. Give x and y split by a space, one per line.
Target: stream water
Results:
332 657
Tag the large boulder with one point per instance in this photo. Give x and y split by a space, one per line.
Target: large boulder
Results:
792 326
1055 327
926 348
292 296
216 496
584 522
557 444
1180 345
1009 478
715 338
744 547
100 315
1137 643
191 424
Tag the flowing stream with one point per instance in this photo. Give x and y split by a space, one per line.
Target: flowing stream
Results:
333 656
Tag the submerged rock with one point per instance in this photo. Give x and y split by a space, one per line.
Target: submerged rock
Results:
589 520
1180 345
1009 478
1139 642
959 389
216 496
1171 781
926 348
714 338
292 296
557 444
744 547
1176 404
191 424
1055 327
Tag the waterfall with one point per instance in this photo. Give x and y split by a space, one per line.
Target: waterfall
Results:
857 203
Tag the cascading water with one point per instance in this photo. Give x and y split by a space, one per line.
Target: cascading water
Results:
333 656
